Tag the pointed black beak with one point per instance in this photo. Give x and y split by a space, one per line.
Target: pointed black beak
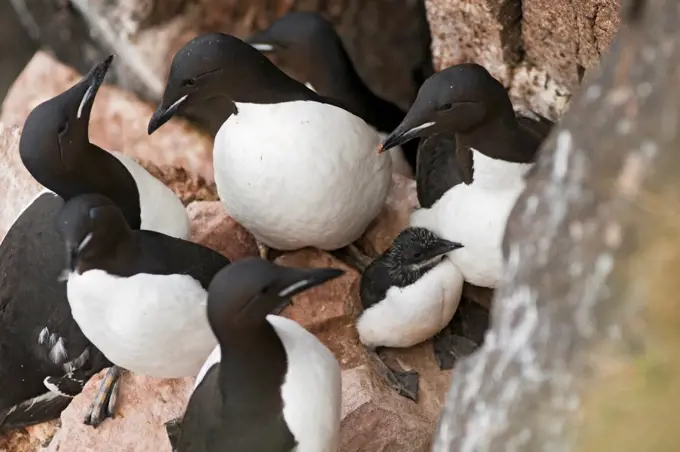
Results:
296 280
91 82
446 246
262 42
164 114
405 132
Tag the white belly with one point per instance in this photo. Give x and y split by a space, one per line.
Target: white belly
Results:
312 391
162 211
413 314
150 324
300 174
476 218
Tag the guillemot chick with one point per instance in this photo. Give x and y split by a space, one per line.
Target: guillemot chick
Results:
269 385
308 43
139 296
493 154
56 150
45 360
290 165
409 294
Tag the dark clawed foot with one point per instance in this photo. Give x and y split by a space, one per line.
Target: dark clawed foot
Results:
104 403
351 255
173 428
405 383
449 347
463 335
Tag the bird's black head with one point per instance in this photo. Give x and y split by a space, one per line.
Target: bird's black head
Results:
246 291
90 225
417 250
455 100
57 129
220 65
301 38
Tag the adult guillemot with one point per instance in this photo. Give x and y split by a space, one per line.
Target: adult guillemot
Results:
56 150
493 150
309 44
45 359
290 165
139 296
269 385
409 294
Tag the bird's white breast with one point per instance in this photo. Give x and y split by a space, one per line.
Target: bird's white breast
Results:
300 173
312 389
162 211
476 216
150 324
412 314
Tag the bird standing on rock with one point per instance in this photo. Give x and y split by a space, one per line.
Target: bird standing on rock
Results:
409 294
270 385
139 296
310 45
493 152
291 166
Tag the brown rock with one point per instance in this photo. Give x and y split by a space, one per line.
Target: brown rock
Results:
144 405
188 187
29 439
212 226
485 31
118 122
394 216
16 184
568 37
328 311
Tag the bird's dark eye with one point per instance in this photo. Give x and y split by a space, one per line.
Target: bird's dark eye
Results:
188 82
417 255
446 106
63 127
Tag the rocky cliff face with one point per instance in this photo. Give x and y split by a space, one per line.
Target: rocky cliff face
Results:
538 48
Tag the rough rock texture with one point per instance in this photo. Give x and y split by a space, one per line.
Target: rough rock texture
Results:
583 349
145 34
145 404
538 48
30 439
118 122
16 184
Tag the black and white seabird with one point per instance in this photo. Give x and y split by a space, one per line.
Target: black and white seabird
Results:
56 150
409 294
309 44
291 166
493 152
270 385
45 360
139 296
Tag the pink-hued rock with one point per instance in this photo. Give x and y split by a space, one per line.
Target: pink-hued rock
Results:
144 405
17 185
394 217
212 226
119 119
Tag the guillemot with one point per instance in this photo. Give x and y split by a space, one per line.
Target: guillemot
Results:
269 385
56 150
291 166
45 360
308 43
493 153
139 296
409 294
